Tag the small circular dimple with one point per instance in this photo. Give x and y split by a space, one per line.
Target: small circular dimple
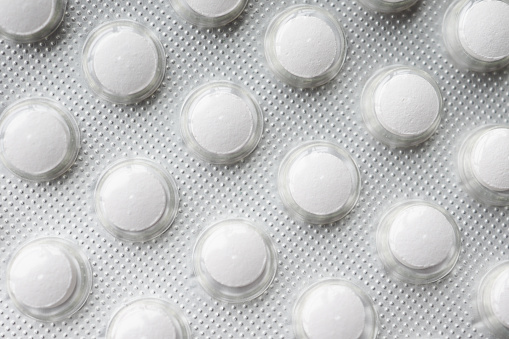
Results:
332 307
136 200
30 20
148 318
421 237
39 139
124 62
484 30
42 277
490 161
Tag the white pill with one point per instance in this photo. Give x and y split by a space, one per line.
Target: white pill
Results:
318 182
305 46
30 20
124 61
234 261
490 161
136 200
334 309
500 297
42 276
221 122
49 279
209 13
407 104
235 255
421 237
148 318
418 242
484 30
39 139
401 106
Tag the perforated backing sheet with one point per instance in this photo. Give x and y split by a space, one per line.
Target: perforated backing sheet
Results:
306 253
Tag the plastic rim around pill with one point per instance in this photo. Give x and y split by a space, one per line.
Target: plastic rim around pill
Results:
318 182
483 165
388 6
418 242
39 139
136 199
209 13
401 106
123 61
234 261
305 46
492 300
465 27
221 122
63 279
33 21
333 306
148 318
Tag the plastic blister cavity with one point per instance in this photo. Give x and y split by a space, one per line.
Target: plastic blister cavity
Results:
124 62
39 139
319 182
136 199
418 242
49 279
209 13
234 260
305 46
388 6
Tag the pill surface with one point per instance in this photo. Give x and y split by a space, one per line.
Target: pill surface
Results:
209 13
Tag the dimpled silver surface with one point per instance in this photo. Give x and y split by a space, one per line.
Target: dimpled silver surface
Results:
306 253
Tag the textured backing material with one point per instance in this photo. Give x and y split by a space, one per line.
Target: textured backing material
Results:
306 253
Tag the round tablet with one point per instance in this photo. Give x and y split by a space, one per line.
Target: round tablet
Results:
221 122
333 307
484 166
136 200
39 139
318 182
305 46
493 299
49 279
209 13
148 318
234 261
401 106
30 20
123 61
388 6
476 33
418 241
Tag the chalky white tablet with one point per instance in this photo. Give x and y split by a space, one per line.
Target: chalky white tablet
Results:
401 106
209 13
388 6
476 34
136 199
332 309
30 20
305 46
221 122
318 182
39 139
418 242
49 279
483 165
148 318
123 61
493 300
234 260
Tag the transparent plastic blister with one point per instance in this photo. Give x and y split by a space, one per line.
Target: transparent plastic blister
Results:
150 128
